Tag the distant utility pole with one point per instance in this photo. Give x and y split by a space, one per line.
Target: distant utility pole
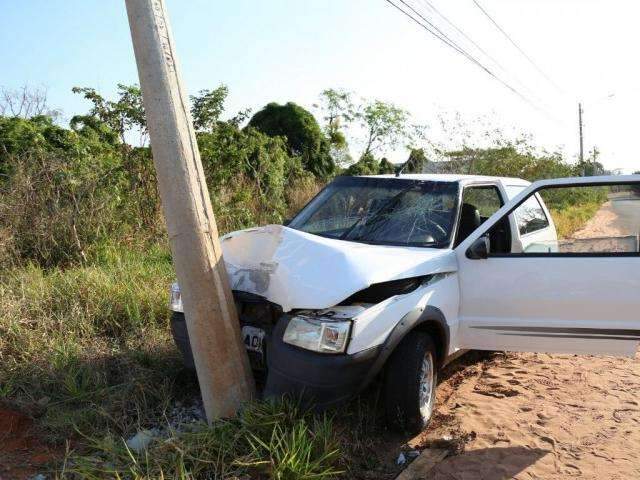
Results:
212 321
581 138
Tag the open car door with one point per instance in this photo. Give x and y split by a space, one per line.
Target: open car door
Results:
578 294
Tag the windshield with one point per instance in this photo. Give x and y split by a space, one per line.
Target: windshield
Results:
384 211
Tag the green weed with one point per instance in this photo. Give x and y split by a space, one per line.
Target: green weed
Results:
272 439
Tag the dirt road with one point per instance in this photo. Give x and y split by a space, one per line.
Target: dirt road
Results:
620 216
614 228
527 416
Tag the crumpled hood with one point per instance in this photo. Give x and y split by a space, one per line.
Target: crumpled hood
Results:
295 269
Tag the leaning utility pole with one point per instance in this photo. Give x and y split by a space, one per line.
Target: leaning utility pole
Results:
212 321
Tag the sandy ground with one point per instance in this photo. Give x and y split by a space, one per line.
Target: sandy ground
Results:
606 231
605 223
528 416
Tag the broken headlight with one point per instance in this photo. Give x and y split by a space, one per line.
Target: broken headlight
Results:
175 299
318 334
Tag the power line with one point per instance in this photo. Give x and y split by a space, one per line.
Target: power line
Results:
535 65
480 49
439 34
457 29
450 43
444 38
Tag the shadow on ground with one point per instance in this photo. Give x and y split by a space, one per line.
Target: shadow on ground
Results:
496 463
372 448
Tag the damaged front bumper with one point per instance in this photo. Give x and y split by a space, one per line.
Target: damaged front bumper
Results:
297 365
322 379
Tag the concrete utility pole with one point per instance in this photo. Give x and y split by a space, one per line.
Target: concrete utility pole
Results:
212 321
581 138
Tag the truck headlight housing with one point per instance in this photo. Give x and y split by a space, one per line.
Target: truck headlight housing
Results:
318 334
175 298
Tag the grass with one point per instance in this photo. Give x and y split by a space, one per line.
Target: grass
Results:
572 218
87 352
88 348
266 440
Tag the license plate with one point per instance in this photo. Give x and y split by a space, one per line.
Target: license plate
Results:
252 338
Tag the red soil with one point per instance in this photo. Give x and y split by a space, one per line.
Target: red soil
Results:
21 453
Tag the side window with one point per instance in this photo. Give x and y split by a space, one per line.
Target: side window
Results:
530 216
478 204
589 220
486 199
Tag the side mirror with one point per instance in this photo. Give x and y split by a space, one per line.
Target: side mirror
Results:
286 221
479 250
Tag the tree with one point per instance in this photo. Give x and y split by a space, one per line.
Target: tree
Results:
207 106
591 166
509 160
228 152
416 162
379 125
31 136
91 126
386 166
25 102
339 112
338 108
303 134
40 135
121 115
385 126
367 165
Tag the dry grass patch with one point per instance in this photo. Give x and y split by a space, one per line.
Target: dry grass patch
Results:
572 218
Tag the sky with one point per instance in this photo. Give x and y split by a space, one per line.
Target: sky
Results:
291 50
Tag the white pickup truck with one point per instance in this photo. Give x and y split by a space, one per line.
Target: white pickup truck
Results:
391 277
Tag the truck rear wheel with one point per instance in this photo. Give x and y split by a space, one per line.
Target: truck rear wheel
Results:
410 383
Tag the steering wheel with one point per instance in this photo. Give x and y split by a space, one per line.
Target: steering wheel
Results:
437 232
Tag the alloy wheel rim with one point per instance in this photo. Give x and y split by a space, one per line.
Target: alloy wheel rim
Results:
425 386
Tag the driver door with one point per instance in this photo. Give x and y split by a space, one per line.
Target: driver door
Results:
581 295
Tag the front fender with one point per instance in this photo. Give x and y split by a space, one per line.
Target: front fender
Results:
429 317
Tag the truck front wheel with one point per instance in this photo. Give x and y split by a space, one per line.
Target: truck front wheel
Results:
410 383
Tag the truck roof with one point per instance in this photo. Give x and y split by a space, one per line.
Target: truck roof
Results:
441 177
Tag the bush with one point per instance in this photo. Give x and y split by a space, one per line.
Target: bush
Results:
56 209
63 199
367 165
570 219
303 135
510 160
572 208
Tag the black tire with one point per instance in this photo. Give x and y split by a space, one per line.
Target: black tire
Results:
402 383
